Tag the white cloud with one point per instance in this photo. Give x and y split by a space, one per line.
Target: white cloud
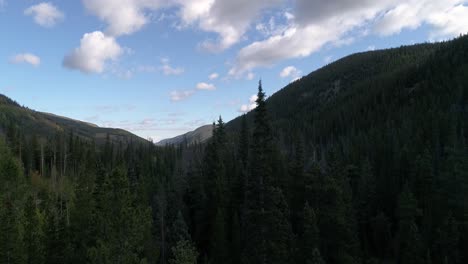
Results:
26 58
370 48
213 76
45 14
180 95
167 69
205 86
293 43
95 50
290 71
229 19
123 17
250 76
226 18
250 106
317 23
447 18
271 27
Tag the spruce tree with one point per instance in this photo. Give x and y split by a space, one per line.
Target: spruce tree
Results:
410 243
184 253
267 230
310 236
219 244
254 226
34 236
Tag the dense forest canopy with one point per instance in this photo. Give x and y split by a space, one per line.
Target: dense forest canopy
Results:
362 161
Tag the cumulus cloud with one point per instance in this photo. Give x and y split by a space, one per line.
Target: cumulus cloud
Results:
181 95
447 18
26 58
205 86
316 23
123 17
290 71
250 106
167 69
293 43
213 76
95 50
342 11
305 28
45 14
229 19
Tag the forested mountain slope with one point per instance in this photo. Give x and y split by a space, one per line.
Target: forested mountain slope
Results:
25 122
375 144
199 135
362 161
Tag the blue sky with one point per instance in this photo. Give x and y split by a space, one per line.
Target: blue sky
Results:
160 68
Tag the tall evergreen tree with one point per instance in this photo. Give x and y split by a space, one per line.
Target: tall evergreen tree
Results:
254 226
34 236
267 231
410 244
310 236
219 244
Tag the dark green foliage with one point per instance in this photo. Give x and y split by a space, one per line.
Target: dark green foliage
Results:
411 246
362 161
219 244
316 258
34 233
184 253
123 225
310 236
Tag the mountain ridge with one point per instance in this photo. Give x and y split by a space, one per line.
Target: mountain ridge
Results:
15 118
199 135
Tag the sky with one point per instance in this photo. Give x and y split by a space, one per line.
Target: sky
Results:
160 68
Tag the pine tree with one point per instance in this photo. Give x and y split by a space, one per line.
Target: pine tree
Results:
278 235
297 190
184 253
11 211
241 177
236 242
10 236
316 257
381 234
243 150
410 243
310 236
448 239
34 235
267 230
219 244
179 230
254 226
366 197
119 209
337 221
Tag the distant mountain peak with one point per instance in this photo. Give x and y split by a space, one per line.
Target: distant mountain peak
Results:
198 135
40 124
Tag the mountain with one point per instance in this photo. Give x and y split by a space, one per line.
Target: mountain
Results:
199 135
27 122
362 161
383 85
